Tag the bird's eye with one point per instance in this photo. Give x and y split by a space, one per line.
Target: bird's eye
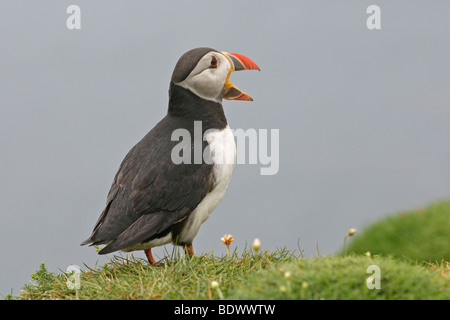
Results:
213 63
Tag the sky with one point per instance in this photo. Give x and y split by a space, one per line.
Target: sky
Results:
362 116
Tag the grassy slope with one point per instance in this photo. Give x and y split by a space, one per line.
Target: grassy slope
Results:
416 236
346 277
176 278
250 277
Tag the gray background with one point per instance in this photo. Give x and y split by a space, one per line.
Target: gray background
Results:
363 117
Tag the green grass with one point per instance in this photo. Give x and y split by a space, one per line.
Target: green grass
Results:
345 278
419 235
175 278
410 249
248 277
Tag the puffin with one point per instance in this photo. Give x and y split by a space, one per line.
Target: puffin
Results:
166 187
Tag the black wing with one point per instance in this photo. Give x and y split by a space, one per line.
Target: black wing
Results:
149 192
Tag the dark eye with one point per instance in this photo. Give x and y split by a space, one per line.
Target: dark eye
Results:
213 63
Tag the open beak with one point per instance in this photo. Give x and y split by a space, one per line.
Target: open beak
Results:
238 62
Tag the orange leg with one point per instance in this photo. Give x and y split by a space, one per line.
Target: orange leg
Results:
190 250
148 253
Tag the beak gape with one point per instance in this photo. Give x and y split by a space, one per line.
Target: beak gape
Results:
238 62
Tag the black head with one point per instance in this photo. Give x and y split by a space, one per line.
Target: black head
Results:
187 63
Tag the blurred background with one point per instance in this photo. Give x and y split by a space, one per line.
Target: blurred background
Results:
362 115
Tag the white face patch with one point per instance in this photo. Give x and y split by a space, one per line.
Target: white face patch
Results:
207 82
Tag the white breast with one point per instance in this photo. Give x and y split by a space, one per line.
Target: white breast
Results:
223 154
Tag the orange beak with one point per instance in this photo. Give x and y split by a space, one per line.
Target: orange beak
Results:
238 62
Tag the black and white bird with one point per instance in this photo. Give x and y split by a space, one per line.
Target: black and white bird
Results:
155 200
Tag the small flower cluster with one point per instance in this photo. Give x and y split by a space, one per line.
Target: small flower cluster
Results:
227 239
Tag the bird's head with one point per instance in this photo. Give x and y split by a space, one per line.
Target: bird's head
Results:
206 73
